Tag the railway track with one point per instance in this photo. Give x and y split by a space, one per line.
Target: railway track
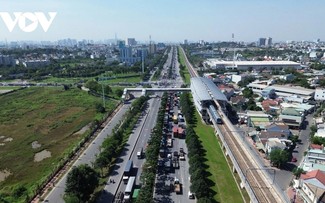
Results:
262 189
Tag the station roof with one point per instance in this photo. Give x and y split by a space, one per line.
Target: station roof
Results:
205 89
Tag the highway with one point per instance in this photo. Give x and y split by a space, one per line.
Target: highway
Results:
256 177
163 193
87 156
137 139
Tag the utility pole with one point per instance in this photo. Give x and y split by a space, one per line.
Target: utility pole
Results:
233 40
103 91
142 57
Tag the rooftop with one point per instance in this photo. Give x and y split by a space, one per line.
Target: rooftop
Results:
318 174
205 89
251 63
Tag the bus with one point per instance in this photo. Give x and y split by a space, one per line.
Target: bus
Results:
135 194
129 189
127 171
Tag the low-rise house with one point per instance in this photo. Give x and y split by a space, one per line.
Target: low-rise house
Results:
291 117
228 91
279 127
314 159
258 119
287 77
312 186
320 133
238 100
271 106
268 93
274 143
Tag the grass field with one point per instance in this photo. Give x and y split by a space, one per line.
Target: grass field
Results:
225 185
48 115
9 88
65 80
187 76
134 79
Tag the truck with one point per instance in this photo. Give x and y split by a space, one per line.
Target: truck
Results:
127 171
169 142
162 153
140 153
177 186
181 154
129 189
175 119
168 165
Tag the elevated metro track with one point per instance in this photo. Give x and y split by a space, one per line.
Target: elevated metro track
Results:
259 187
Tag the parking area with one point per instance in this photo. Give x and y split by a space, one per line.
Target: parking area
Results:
172 179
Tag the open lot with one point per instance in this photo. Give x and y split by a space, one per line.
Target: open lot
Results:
225 185
42 121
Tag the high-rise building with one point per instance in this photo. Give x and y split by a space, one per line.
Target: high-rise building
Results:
152 48
268 42
132 42
185 42
121 44
262 42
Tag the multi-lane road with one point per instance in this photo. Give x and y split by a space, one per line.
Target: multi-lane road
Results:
138 139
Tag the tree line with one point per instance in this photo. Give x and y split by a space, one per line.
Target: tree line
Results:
150 166
84 179
199 175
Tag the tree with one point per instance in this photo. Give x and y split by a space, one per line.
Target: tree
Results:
261 99
93 85
279 157
81 183
247 93
201 188
100 108
107 89
297 172
66 87
119 92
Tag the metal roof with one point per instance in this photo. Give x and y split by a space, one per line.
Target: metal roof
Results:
205 89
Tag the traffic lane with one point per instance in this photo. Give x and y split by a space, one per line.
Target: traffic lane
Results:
56 195
144 137
116 175
131 154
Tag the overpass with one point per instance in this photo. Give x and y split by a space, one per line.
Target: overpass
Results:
144 91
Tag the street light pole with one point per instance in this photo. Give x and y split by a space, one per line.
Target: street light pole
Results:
103 95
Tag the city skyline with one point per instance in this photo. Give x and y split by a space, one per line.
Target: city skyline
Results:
171 21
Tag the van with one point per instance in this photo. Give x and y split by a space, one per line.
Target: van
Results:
190 195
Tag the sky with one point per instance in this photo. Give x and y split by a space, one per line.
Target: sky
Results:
170 20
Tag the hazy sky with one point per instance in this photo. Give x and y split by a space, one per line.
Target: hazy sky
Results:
172 20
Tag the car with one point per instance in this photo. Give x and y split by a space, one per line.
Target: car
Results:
294 159
190 195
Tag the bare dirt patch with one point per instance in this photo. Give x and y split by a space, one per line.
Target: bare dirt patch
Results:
42 155
4 174
82 130
9 139
36 145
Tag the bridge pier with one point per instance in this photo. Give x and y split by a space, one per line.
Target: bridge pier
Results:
242 184
234 169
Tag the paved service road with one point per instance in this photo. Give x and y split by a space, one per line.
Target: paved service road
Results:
137 139
87 156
